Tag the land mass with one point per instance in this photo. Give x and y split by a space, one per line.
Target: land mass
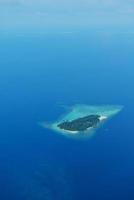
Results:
81 124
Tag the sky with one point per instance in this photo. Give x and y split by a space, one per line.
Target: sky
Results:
43 14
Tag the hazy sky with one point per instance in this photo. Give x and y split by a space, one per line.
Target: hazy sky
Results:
45 13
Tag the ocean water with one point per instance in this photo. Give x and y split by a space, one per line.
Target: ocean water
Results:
39 76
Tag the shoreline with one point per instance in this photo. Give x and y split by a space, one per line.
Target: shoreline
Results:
101 118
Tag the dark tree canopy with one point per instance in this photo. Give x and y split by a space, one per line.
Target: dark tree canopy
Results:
80 124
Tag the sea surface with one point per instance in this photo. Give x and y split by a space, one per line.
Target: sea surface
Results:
42 75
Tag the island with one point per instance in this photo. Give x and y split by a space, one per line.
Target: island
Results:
82 121
80 124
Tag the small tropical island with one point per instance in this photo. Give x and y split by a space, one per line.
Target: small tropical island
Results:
80 124
82 121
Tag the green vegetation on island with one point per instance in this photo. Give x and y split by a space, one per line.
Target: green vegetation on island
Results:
80 124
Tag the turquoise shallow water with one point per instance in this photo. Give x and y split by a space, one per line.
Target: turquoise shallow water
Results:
37 76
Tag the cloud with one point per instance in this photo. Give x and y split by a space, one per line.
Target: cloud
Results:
72 6
44 13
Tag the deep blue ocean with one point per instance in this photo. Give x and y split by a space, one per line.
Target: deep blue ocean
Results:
39 75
